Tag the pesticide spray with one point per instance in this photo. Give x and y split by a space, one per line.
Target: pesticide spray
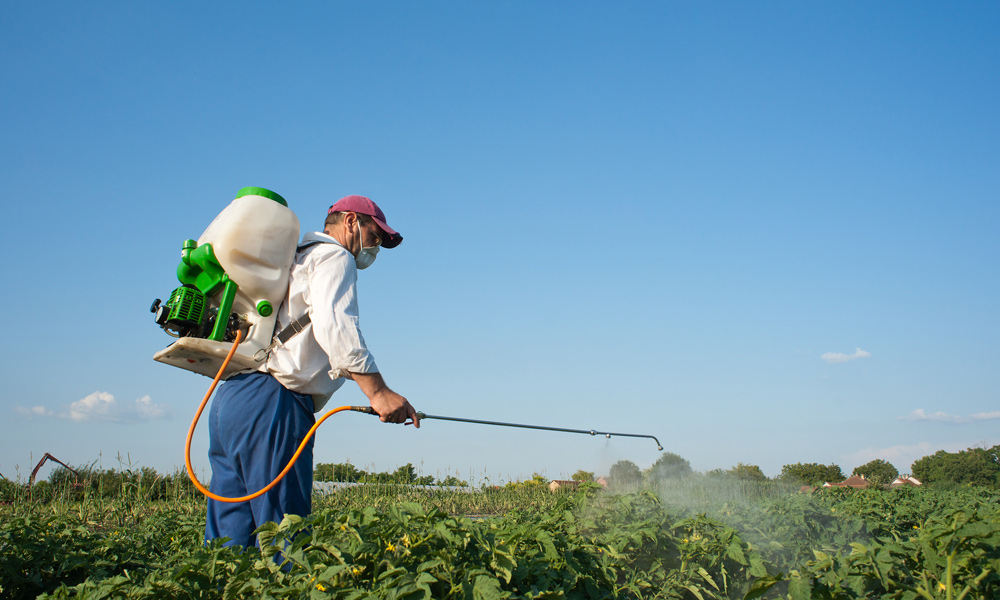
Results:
233 278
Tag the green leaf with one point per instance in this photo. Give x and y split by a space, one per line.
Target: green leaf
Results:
503 564
735 552
762 585
695 591
704 575
426 578
429 565
799 588
485 587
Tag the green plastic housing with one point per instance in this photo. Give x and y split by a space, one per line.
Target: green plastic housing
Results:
263 192
200 268
187 305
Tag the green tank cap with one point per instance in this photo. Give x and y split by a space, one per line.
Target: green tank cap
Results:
259 191
264 308
189 245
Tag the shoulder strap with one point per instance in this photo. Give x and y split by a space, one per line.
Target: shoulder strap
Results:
293 328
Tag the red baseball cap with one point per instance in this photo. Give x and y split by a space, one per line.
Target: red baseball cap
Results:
364 206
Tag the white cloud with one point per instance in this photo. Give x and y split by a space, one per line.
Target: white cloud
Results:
36 411
101 406
97 407
146 409
943 417
839 357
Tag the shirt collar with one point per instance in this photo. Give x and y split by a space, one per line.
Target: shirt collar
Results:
319 236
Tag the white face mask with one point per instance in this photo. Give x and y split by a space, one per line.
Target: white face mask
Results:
366 257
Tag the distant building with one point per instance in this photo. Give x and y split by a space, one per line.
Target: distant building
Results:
569 485
859 482
563 484
905 480
854 481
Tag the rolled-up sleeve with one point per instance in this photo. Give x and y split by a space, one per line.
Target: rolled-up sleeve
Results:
334 306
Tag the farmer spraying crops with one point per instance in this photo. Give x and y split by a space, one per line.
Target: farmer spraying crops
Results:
259 418
280 366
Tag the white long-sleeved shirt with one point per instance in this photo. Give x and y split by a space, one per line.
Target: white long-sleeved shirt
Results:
323 283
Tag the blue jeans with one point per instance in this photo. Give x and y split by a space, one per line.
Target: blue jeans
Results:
255 426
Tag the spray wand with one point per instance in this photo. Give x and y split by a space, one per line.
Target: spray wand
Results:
371 411
362 409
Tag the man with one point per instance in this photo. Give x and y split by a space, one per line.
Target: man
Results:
258 419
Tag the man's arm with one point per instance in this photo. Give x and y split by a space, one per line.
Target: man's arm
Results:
334 312
390 406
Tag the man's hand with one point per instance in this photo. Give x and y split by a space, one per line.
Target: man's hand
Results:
393 408
390 406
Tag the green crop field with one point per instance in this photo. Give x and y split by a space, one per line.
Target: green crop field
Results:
693 537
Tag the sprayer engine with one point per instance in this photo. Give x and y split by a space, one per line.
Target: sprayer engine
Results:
183 313
187 314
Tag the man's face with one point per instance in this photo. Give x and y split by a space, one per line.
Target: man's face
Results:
354 234
371 235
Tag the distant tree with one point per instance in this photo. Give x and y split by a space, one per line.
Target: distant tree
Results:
454 481
669 466
405 474
877 472
582 475
337 472
975 466
536 481
811 473
424 480
624 472
747 473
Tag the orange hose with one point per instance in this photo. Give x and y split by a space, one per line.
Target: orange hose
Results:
288 467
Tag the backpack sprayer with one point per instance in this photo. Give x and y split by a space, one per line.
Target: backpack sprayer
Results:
223 314
233 278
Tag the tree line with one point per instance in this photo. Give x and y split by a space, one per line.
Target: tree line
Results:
406 474
942 470
979 466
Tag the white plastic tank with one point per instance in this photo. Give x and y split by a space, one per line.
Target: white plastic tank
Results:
254 240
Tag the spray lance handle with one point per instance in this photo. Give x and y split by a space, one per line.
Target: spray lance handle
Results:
371 411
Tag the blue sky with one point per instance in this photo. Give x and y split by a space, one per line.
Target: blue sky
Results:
762 233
